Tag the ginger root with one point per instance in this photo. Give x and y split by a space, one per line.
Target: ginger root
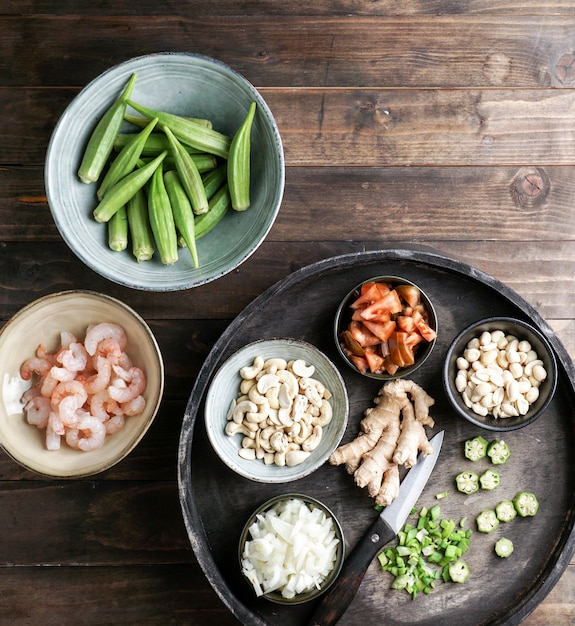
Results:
391 434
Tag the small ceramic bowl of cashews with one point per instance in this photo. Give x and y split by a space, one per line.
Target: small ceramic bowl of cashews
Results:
500 373
276 409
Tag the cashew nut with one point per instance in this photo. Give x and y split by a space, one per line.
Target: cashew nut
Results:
295 457
241 409
313 441
299 368
251 371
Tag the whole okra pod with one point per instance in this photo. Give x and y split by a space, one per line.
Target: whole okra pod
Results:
101 141
191 133
162 219
125 189
126 160
139 227
118 230
220 204
182 211
239 163
189 175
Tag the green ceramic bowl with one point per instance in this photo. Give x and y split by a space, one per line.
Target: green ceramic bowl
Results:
188 85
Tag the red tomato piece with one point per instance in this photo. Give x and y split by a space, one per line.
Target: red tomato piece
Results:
405 350
426 331
382 330
359 362
390 303
369 293
374 361
410 294
406 323
394 352
362 335
389 366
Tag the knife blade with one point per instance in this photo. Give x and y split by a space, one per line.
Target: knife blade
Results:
336 600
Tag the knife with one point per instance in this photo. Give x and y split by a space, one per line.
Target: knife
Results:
335 601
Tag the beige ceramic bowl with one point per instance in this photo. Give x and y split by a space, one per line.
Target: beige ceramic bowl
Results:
41 322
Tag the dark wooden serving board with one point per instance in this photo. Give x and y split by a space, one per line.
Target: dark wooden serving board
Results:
216 502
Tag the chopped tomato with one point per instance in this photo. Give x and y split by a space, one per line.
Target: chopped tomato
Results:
410 293
360 362
390 303
369 293
362 335
382 330
374 361
405 350
425 330
388 323
406 323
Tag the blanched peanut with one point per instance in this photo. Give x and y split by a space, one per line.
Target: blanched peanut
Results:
280 411
499 374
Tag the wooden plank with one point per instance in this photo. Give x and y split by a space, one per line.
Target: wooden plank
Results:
515 51
152 595
295 7
545 277
529 203
96 521
368 127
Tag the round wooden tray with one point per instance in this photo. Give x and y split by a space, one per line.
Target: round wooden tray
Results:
216 502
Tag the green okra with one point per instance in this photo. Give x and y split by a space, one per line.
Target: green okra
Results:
189 174
125 189
191 133
162 219
214 179
139 227
182 212
118 230
126 159
156 143
101 140
137 120
239 163
219 204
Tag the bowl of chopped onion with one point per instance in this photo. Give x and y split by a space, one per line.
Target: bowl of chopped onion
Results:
500 373
82 381
291 549
385 328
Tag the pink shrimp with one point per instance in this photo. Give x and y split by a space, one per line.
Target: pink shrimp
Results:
61 374
66 399
38 411
48 384
91 433
101 379
114 424
100 332
102 406
136 384
53 438
74 358
109 349
35 365
135 406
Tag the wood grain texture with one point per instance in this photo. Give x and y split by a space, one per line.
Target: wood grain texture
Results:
429 124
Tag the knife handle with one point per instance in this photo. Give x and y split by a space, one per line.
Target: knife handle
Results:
339 596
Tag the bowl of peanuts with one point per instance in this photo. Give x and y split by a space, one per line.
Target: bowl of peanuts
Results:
82 381
500 373
276 409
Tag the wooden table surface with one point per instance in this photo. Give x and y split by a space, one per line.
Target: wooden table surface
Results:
436 123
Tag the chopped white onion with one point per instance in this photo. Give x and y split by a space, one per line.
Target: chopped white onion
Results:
292 549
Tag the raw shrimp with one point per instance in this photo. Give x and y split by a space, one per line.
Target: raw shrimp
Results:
61 374
83 392
35 365
100 332
101 379
136 383
74 358
91 433
135 406
66 399
38 411
114 424
102 406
